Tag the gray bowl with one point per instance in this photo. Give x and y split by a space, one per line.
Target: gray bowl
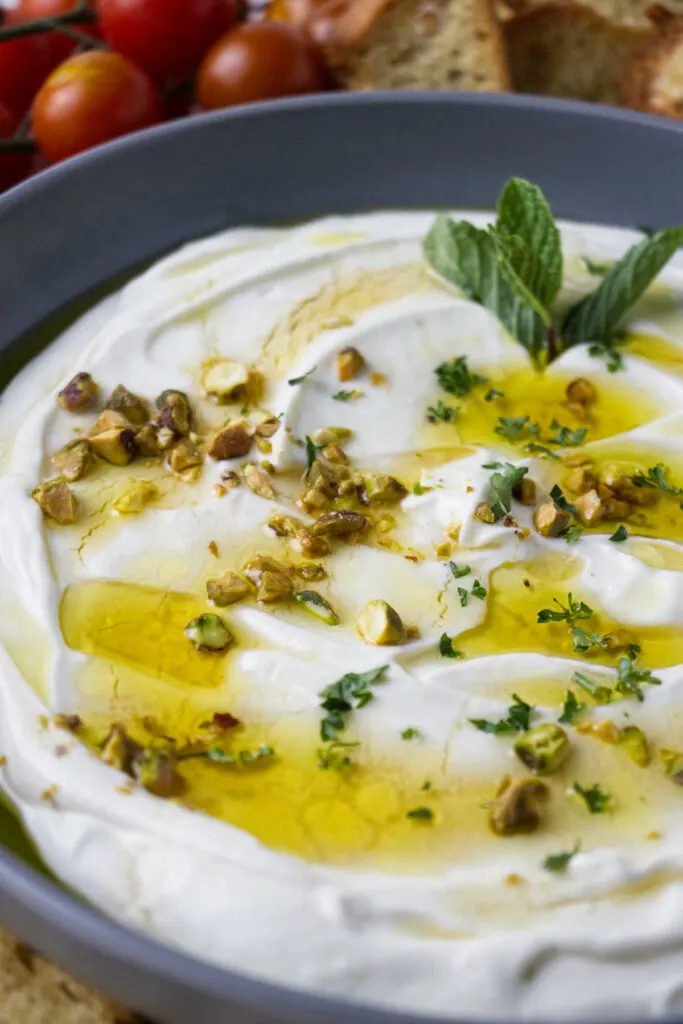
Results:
72 229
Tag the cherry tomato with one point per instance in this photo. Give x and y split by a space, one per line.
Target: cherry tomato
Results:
167 38
62 46
24 63
258 61
13 166
90 99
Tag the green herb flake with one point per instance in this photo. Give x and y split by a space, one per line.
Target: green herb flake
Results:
463 595
411 734
312 452
518 719
441 411
478 590
493 393
335 756
630 680
502 483
655 478
570 709
350 692
421 814
619 535
572 534
302 378
614 359
459 571
456 379
595 799
446 649
558 497
559 862
600 693
347 396
533 448
220 756
426 786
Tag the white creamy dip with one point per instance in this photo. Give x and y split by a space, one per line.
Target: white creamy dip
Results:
319 879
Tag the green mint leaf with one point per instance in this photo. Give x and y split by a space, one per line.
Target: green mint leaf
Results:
619 535
559 862
614 359
522 270
446 649
441 411
601 694
594 798
456 379
597 316
421 814
468 258
411 734
459 571
524 212
570 709
302 378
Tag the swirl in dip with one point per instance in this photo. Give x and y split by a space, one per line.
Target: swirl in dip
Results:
399 725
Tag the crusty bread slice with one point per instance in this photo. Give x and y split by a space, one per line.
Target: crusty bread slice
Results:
626 12
406 44
653 80
567 49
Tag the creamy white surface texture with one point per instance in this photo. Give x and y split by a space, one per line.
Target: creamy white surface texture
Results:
444 917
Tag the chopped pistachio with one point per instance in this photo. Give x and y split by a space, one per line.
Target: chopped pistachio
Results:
79 394
134 408
318 606
590 508
254 568
551 521
581 480
183 456
349 363
230 441
330 435
264 423
258 480
227 589
334 524
544 748
119 750
56 501
264 446
116 445
147 441
380 624
73 460
620 483
209 633
165 438
484 513
283 525
604 730
518 806
581 391
135 499
174 412
333 453
635 744
223 377
230 479
156 771
673 764
524 491
314 547
274 586
381 489
310 572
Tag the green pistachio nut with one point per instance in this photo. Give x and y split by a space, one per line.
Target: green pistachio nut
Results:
209 633
543 749
318 606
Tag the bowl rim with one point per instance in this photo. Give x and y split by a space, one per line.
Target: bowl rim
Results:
66 912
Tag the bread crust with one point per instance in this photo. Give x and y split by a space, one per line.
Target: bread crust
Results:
653 80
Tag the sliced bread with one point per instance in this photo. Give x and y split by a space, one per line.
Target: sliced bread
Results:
653 80
406 44
567 49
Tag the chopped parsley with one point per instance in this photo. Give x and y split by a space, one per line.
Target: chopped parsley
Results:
426 785
302 378
614 359
502 484
456 379
514 428
619 535
601 694
347 396
558 497
541 450
492 465
630 679
570 709
572 533
519 428
459 570
655 478
582 639
559 862
463 595
312 451
421 814
518 719
350 692
493 393
334 756
446 649
411 734
441 411
478 590
594 798
565 437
